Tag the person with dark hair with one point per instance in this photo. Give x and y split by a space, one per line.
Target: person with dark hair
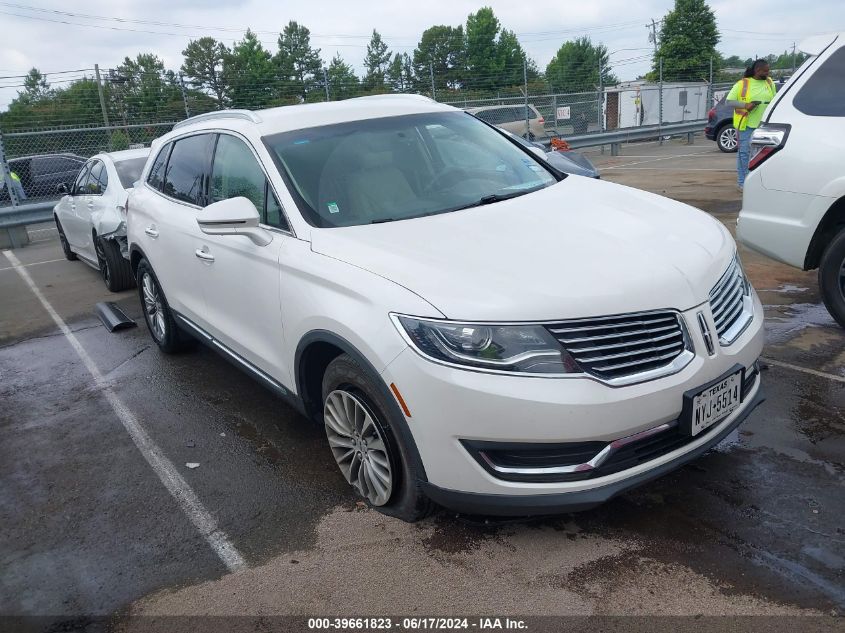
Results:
749 97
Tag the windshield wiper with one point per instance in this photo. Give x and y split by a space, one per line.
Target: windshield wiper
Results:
498 197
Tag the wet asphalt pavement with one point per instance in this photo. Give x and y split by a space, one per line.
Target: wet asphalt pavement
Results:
754 526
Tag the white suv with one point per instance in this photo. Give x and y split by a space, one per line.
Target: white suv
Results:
472 327
793 205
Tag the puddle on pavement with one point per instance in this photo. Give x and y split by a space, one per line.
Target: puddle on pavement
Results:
785 323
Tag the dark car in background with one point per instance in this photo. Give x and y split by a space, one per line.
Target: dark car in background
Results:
40 175
720 126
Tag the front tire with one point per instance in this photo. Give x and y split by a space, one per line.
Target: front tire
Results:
727 139
367 448
832 277
157 312
114 268
69 254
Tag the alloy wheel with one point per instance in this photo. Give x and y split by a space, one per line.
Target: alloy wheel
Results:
358 446
842 279
728 138
153 307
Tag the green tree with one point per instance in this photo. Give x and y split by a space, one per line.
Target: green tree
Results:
400 73
483 59
376 63
35 87
249 74
512 57
298 62
575 67
687 42
343 83
141 90
203 67
441 50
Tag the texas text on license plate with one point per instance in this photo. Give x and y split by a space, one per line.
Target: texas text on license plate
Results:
715 403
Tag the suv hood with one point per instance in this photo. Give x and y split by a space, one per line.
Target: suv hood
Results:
578 248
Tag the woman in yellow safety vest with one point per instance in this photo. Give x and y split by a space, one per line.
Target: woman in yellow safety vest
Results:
749 98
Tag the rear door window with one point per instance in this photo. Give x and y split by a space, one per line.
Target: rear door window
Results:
99 179
185 177
156 175
81 181
823 94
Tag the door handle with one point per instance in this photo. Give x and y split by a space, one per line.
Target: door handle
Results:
151 232
204 255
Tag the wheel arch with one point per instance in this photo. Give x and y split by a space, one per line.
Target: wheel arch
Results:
313 354
832 222
135 257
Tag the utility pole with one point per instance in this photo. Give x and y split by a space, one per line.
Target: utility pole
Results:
652 37
102 102
326 82
600 100
525 81
431 73
793 58
184 96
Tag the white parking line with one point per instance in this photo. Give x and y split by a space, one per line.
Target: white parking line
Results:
803 370
49 261
164 468
657 159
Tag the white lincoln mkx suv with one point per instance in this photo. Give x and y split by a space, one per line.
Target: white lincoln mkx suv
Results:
472 327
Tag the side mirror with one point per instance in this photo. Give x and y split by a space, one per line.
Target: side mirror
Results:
235 216
62 188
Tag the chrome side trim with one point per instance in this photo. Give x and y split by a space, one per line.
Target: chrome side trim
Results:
259 373
602 456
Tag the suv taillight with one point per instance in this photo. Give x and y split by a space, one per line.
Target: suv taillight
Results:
711 114
766 140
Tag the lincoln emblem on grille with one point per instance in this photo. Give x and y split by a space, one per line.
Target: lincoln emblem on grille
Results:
705 332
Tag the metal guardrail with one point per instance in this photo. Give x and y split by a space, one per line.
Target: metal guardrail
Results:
615 138
24 214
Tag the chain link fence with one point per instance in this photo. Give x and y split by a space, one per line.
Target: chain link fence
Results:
44 143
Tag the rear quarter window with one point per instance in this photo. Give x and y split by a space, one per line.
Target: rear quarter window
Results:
823 94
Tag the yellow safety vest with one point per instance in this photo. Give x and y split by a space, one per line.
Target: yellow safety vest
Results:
14 176
741 114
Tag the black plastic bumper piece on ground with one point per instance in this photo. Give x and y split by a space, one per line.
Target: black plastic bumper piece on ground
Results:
113 317
560 503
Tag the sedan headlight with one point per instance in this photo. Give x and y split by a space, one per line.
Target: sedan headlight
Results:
527 349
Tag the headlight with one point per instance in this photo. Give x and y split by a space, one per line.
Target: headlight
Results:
508 348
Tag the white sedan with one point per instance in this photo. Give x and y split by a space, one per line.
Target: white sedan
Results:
91 216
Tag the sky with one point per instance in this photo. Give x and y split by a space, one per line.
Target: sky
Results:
41 35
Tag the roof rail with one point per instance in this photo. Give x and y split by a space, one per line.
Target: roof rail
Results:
246 115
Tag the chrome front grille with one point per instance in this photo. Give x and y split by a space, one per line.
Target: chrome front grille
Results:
730 303
626 348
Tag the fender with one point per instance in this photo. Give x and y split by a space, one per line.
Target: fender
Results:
324 336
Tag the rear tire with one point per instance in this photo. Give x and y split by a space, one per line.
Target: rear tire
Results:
69 254
832 277
727 139
157 314
368 417
114 267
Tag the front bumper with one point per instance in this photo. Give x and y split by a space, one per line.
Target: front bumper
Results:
529 505
453 408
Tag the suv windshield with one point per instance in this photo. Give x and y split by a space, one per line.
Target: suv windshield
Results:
382 170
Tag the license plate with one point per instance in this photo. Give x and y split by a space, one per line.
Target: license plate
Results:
715 403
